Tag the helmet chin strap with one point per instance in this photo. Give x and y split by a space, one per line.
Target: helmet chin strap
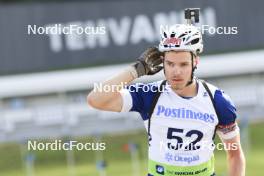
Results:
193 69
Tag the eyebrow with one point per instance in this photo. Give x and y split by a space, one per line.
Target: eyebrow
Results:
170 62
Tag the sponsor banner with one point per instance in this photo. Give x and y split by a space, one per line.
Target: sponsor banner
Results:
47 36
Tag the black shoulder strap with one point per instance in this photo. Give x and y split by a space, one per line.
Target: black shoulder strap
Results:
154 102
209 92
211 97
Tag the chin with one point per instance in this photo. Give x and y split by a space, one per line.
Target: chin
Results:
177 86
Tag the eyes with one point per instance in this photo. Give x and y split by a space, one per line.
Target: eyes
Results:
185 64
182 64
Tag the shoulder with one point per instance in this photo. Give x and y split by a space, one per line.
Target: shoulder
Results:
144 90
146 87
225 108
140 97
221 98
219 95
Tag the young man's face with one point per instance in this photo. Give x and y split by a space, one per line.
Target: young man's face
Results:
178 68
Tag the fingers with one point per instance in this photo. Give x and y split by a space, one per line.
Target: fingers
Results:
155 70
153 60
151 49
157 61
154 55
141 68
149 61
158 68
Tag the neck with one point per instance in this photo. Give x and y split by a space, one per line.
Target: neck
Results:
189 91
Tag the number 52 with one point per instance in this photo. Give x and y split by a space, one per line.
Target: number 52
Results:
173 134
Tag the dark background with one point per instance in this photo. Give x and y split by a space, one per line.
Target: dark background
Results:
23 53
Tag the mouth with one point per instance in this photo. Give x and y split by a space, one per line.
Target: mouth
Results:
176 80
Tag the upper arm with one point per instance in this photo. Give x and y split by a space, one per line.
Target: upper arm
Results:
103 102
115 104
135 97
227 127
225 108
138 97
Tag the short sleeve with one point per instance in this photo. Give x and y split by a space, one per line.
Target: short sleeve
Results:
227 127
139 97
126 99
225 108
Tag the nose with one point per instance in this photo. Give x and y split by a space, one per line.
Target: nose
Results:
176 71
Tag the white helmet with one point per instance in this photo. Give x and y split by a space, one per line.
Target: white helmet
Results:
181 37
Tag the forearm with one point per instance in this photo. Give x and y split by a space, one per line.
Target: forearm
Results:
108 96
121 79
236 165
